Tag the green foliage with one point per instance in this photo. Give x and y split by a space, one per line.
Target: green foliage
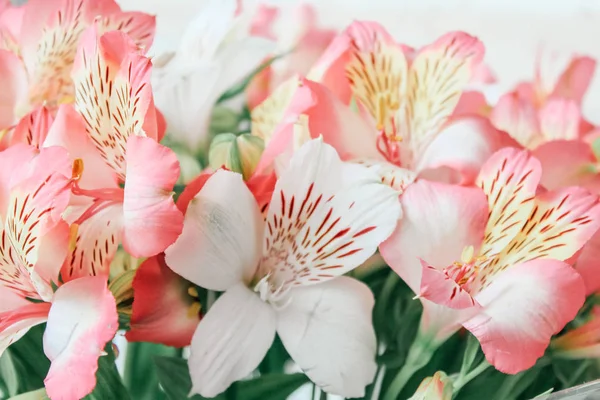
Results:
109 384
174 378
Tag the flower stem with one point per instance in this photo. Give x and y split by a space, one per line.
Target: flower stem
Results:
419 354
462 380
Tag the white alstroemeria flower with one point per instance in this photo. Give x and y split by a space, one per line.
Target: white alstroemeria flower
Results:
215 53
282 275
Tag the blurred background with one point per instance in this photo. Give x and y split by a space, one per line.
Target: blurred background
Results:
515 32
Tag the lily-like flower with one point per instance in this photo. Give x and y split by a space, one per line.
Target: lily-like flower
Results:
282 274
81 314
402 105
492 259
113 141
436 387
40 44
213 56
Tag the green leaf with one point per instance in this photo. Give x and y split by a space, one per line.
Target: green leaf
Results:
109 384
469 355
23 366
39 394
175 380
140 373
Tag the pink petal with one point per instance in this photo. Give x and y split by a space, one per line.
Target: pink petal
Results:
263 20
96 243
575 80
222 230
567 163
559 225
509 179
68 131
588 264
523 307
463 146
33 128
82 319
438 287
161 306
471 103
559 119
109 71
14 84
137 25
16 322
323 223
518 118
152 222
439 221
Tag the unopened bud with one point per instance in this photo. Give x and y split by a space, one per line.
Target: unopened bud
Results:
236 153
436 387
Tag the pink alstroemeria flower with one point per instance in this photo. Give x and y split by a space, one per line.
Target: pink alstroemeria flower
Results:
81 315
403 105
492 259
296 31
40 43
282 274
115 135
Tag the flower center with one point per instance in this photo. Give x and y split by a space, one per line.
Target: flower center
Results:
277 297
465 271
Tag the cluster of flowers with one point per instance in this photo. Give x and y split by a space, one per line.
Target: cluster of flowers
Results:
351 146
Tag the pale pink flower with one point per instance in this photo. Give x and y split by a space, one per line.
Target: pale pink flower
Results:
39 43
436 387
402 110
282 274
492 259
81 315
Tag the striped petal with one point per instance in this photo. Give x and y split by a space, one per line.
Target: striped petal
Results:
113 93
436 79
509 179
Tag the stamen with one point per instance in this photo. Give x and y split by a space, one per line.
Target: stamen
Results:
77 169
193 292
194 309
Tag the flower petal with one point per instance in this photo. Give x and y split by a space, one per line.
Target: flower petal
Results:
560 223
15 323
137 25
161 306
464 146
151 221
434 92
509 179
82 319
231 340
113 93
95 246
439 288
518 118
328 332
439 221
33 128
523 308
222 230
559 119
567 163
575 79
14 84
317 227
588 264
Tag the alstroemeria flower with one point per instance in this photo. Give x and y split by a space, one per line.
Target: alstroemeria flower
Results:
42 38
213 56
115 135
81 315
403 105
492 258
282 274
298 36
581 342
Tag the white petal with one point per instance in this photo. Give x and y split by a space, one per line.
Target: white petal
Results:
222 230
315 229
231 340
327 330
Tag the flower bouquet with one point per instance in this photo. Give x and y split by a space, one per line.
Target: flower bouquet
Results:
270 214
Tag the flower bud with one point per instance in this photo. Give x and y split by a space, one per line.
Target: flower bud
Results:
581 342
436 387
236 153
